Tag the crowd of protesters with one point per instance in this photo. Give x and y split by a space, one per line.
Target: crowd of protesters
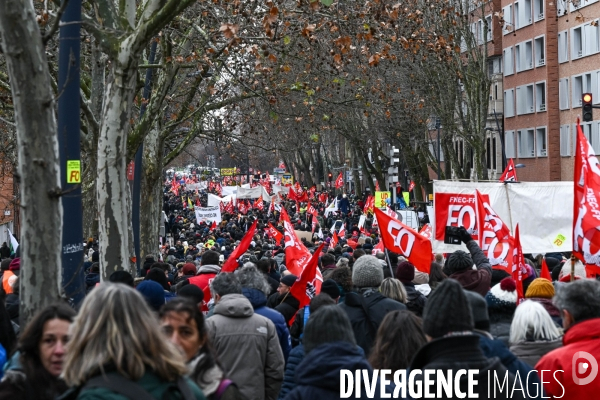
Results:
182 329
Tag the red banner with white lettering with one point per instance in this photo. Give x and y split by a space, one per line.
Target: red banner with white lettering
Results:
518 267
274 233
586 211
258 204
510 173
339 182
403 240
494 240
411 186
231 264
453 209
300 290
426 231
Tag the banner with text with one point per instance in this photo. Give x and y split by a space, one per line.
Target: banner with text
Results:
206 214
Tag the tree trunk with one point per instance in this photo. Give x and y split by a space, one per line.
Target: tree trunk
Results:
151 195
33 99
114 197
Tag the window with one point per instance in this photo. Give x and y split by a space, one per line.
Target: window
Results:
517 23
433 149
508 19
526 143
488 21
508 61
525 99
488 153
540 139
577 4
509 143
538 9
577 88
540 96
576 43
524 56
595 136
509 103
563 93
590 38
565 140
494 65
526 12
540 51
563 48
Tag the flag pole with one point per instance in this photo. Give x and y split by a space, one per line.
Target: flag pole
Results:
387 259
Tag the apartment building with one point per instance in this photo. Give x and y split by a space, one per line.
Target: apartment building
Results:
550 57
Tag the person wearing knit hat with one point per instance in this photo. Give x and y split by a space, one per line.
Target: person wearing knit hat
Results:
542 291
502 301
460 266
565 271
415 300
153 294
367 275
282 300
330 347
331 288
448 325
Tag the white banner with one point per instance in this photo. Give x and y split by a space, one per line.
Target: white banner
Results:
252 193
229 190
214 200
208 214
196 186
543 210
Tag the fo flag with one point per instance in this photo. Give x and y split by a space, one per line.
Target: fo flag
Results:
494 238
339 182
586 211
510 173
301 290
231 264
454 209
518 267
411 186
403 240
274 233
426 231
258 204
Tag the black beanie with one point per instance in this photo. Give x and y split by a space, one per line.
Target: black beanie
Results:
479 310
192 292
331 288
327 324
459 261
447 310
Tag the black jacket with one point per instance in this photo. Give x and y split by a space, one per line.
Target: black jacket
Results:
287 305
415 300
463 353
365 326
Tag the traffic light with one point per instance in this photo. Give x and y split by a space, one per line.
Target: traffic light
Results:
587 108
330 175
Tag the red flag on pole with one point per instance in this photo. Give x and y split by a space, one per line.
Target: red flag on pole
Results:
258 204
403 240
494 235
334 239
296 254
231 264
510 173
545 272
518 265
377 186
339 182
299 289
213 226
292 194
411 186
274 233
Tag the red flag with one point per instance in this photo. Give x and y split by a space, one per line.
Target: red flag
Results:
518 265
229 208
369 204
299 289
221 207
334 240
258 204
213 226
339 182
377 186
274 233
315 221
231 264
494 235
403 240
510 173
292 195
378 247
303 197
219 189
310 209
426 231
545 272
242 207
586 238
323 197
411 186
296 254
197 202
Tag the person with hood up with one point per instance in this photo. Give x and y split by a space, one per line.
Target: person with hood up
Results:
256 288
246 343
415 300
209 268
367 307
452 344
460 266
283 301
329 346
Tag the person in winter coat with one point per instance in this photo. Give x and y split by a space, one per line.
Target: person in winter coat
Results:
328 263
542 291
283 301
533 333
183 323
256 288
34 370
246 343
579 304
460 266
117 342
329 346
297 353
209 268
393 289
4 251
367 307
93 278
495 348
264 266
502 301
453 346
415 301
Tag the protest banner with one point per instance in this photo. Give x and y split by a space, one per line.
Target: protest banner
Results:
205 214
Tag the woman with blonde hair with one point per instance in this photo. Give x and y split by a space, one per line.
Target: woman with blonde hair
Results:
118 350
533 333
393 289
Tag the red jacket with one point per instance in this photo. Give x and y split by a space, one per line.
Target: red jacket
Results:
581 337
203 282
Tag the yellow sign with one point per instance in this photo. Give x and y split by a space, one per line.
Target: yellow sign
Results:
287 179
560 239
228 171
430 196
406 196
382 199
74 171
